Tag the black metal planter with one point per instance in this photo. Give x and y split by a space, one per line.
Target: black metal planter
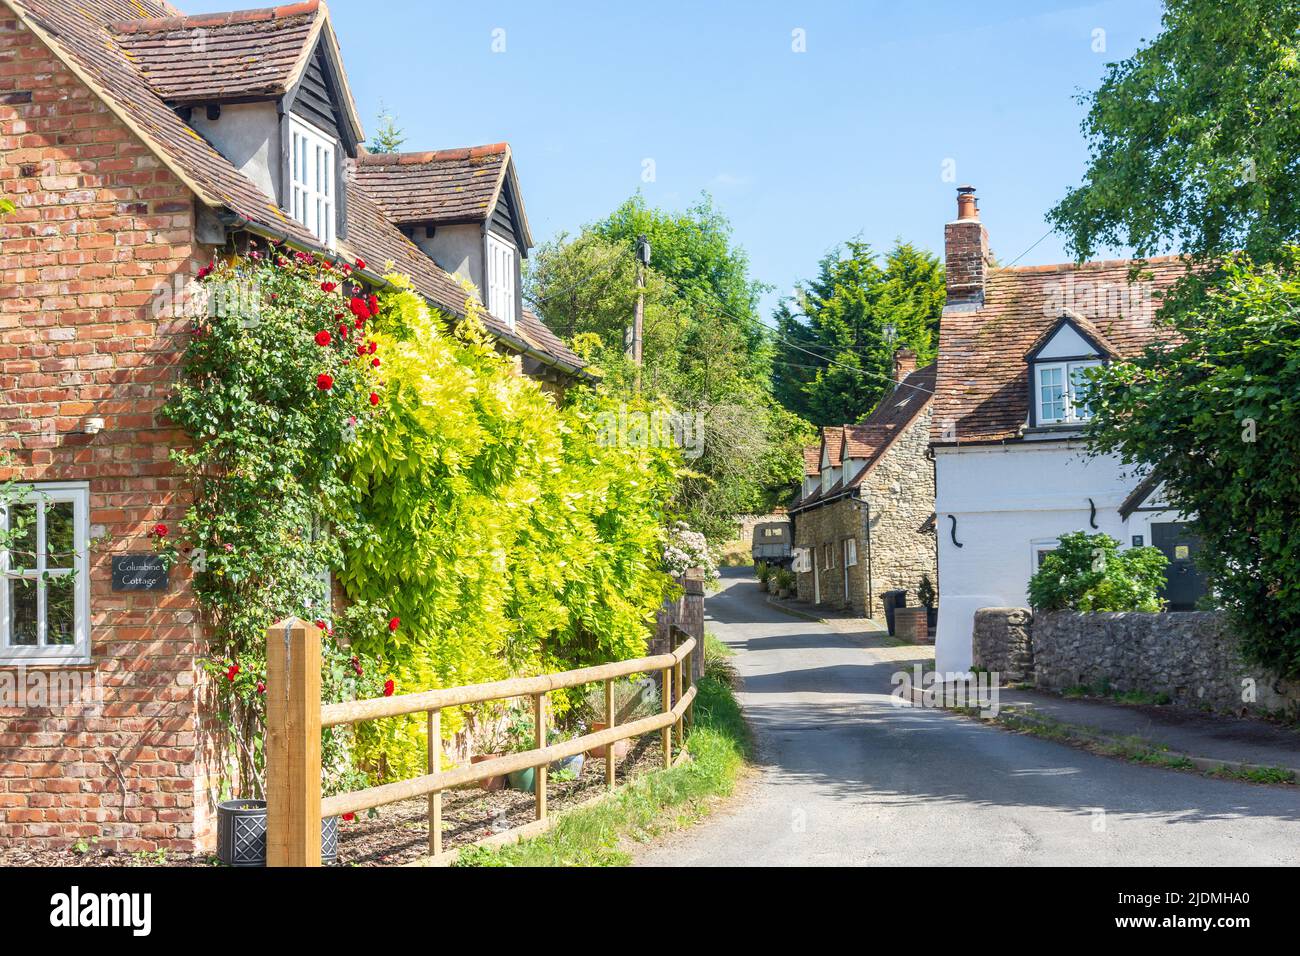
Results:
241 834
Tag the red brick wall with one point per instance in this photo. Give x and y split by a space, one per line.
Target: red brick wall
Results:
966 260
101 224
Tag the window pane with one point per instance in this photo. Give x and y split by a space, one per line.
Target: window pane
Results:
22 613
59 549
22 524
1079 391
60 610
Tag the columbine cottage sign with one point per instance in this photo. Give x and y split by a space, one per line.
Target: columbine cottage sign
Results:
139 572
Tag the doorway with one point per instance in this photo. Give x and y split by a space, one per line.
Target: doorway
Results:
1184 582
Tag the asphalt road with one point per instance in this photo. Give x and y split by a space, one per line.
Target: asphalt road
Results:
846 778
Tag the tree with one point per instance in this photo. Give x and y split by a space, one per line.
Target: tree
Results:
1218 415
389 137
1194 138
705 351
1089 572
836 353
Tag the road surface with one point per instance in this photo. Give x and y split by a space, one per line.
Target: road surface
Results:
846 778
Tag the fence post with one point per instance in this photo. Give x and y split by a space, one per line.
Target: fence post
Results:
678 685
609 723
666 735
292 743
539 773
689 716
435 798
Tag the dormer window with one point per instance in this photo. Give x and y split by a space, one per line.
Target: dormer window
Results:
312 190
501 270
1062 391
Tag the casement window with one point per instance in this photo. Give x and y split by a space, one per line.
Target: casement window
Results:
501 270
1040 549
850 552
45 601
312 189
829 553
1059 389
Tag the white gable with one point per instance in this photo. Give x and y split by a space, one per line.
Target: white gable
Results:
1066 343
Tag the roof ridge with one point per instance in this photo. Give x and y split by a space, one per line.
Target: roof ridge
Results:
420 158
1092 264
217 19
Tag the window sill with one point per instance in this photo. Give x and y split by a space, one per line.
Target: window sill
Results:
46 663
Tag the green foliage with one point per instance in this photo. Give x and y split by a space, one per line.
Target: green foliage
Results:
705 351
840 336
388 137
1194 138
649 805
1089 572
925 592
1218 414
762 570
505 532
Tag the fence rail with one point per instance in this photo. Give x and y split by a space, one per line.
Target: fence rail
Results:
295 717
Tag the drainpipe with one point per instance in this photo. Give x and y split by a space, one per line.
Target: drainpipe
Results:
866 523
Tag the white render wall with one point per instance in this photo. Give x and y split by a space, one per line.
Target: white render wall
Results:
1005 499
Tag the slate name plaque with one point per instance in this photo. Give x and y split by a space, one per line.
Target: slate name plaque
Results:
139 572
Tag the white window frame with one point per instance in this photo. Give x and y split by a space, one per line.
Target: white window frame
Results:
78 652
313 190
1038 547
850 552
829 551
502 266
1069 404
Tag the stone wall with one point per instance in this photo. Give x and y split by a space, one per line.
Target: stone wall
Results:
687 612
101 224
1190 658
1003 643
826 529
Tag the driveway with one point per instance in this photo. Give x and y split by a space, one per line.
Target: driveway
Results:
846 778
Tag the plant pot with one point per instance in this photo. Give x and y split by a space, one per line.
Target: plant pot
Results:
491 784
762 585
621 748
572 764
524 780
241 834
783 593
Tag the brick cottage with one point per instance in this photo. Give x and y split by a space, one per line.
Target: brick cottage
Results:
137 145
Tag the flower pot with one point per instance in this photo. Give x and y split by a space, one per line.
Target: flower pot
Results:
621 747
523 779
783 593
241 834
491 783
573 764
762 585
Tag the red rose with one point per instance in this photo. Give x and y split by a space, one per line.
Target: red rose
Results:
328 286
361 263
361 350
323 338
389 687
356 665
261 687
344 331
359 309
324 381
232 672
159 531
375 362
373 302
394 623
320 624
349 817
374 398
373 347
207 270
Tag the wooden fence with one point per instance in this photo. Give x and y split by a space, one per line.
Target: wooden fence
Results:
295 717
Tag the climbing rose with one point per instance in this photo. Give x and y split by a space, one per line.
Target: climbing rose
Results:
373 302
375 362
361 350
359 309
344 331
374 398
261 687
323 338
394 623
324 381
373 346
361 263
389 687
328 286
356 665
232 672
349 817
320 624
207 270
160 531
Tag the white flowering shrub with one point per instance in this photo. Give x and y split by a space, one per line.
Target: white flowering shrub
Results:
688 549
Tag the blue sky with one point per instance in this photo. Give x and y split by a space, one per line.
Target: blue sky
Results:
800 150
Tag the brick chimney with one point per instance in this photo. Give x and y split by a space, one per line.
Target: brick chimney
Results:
966 252
904 364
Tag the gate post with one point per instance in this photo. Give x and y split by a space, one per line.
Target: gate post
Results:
293 820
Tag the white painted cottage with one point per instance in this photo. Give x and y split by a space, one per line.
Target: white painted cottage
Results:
1011 473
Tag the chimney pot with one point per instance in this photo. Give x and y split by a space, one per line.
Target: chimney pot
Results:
967 204
904 364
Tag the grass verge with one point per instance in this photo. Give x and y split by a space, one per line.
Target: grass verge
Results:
651 804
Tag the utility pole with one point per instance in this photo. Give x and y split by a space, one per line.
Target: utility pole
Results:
638 322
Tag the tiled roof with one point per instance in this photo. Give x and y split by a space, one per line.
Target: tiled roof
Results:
534 331
1084 325
812 460
447 186
833 442
869 440
84 37
220 56
983 385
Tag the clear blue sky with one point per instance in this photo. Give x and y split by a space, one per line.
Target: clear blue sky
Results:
800 150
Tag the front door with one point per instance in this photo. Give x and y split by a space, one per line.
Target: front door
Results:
817 579
845 564
1184 583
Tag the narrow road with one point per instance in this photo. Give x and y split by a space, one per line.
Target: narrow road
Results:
847 778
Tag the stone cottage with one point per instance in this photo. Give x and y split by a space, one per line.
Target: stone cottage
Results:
137 145
864 517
